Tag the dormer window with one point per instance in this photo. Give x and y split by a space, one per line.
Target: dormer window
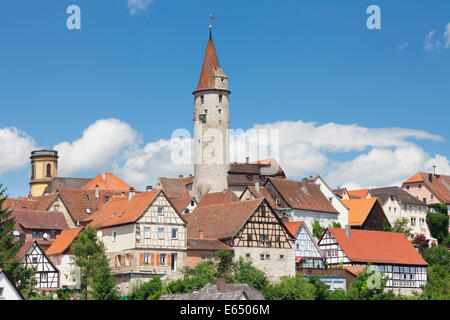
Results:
88 211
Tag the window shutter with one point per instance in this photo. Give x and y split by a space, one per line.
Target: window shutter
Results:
157 259
141 258
131 259
168 259
152 259
116 261
124 262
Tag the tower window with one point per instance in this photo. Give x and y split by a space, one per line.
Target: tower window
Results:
220 98
220 110
32 171
49 170
202 99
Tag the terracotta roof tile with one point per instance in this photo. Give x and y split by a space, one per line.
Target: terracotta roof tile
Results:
220 221
439 186
175 188
359 209
263 193
303 195
46 220
108 181
181 203
355 270
63 241
206 244
358 194
293 227
377 247
214 198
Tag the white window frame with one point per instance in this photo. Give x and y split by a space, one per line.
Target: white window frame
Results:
160 235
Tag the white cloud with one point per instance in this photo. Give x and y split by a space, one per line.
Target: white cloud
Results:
447 36
102 143
138 5
15 149
429 44
402 46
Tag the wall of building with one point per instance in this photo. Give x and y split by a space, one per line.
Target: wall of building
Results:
325 219
69 274
194 257
125 238
419 191
334 200
9 292
274 267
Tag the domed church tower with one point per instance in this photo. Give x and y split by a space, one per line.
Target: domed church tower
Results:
211 124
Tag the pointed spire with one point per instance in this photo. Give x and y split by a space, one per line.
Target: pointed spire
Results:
211 66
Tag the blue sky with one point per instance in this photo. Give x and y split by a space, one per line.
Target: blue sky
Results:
288 61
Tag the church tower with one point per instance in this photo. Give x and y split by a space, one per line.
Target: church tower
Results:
44 166
211 126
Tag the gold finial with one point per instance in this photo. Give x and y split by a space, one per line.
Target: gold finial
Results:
210 27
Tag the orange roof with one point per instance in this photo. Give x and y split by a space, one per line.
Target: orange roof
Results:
119 210
439 184
107 181
416 178
293 227
211 66
361 194
214 198
355 270
377 247
63 241
359 209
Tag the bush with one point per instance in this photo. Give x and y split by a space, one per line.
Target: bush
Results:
438 224
338 294
291 288
245 272
147 290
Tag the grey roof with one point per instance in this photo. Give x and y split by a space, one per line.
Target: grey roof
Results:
383 194
65 183
234 291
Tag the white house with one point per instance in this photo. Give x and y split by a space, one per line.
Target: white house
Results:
8 291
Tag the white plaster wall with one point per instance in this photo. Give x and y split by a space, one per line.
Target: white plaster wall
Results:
9 292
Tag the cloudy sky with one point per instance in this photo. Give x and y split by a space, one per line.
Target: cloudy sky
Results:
360 107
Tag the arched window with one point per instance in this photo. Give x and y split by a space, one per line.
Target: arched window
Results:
49 170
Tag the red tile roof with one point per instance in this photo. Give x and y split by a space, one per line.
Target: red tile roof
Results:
355 270
62 243
293 227
44 220
181 203
211 66
377 247
303 195
263 193
175 188
439 186
359 209
358 194
206 244
214 198
220 221
29 203
108 181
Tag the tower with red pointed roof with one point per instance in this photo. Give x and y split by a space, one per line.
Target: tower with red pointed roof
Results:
211 126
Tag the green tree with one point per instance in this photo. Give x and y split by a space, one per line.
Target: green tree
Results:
245 272
401 226
89 256
335 224
149 290
387 226
290 288
103 283
368 285
338 294
322 289
438 274
438 225
22 276
225 265
317 229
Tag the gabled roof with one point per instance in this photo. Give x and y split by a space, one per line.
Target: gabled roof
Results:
214 198
340 192
303 195
439 184
181 203
65 183
175 188
377 247
359 209
210 68
293 227
119 210
207 244
384 194
29 203
355 270
262 193
358 194
108 181
46 220
62 243
220 221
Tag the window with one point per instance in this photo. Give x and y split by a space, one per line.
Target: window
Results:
120 215
88 211
32 171
44 277
160 210
162 259
220 98
281 257
16 233
161 233
106 198
41 235
330 199
247 255
278 201
1 291
174 233
114 236
407 187
249 237
419 186
202 99
263 238
34 234
413 221
262 256
263 211
192 202
146 258
49 170
431 197
53 235
186 211
88 197
220 111
147 233
390 209
424 200
202 118
34 259
267 256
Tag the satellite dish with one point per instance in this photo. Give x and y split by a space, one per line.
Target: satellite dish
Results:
45 235
99 234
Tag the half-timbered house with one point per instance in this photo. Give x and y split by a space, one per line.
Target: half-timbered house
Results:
252 229
387 252
144 236
307 251
47 275
366 214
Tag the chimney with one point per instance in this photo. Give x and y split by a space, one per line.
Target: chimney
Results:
347 231
430 177
221 285
131 194
247 159
257 186
96 191
149 188
200 234
180 176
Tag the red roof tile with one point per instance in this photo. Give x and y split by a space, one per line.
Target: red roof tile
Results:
359 209
63 241
439 186
293 227
263 193
377 247
45 220
108 181
358 194
214 198
175 188
355 270
206 244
